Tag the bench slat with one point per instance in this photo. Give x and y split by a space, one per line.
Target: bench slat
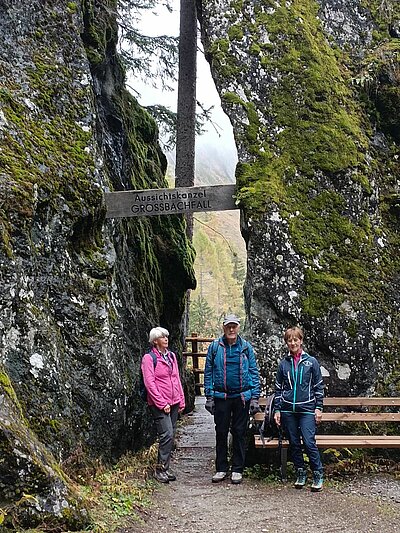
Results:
350 417
361 417
353 401
360 401
340 441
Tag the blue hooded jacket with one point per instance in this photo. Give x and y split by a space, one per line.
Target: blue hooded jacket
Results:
300 389
231 370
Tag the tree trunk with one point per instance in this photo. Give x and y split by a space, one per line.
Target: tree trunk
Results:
185 135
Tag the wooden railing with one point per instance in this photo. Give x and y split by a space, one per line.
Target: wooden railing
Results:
196 351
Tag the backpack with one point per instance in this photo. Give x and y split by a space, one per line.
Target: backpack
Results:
268 428
142 386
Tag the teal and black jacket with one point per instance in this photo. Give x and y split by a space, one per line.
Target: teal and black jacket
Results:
300 389
231 371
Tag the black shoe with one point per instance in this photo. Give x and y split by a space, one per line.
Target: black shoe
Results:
170 475
161 476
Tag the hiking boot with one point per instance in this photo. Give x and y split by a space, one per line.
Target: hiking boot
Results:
318 481
170 475
161 476
301 478
236 478
218 476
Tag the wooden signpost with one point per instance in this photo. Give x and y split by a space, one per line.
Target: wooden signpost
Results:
152 202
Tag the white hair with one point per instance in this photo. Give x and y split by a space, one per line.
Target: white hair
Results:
156 333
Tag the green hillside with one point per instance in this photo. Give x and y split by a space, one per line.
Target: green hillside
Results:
220 267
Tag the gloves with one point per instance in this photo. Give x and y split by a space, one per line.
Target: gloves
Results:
210 405
254 407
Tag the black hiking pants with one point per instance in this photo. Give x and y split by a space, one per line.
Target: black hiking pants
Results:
231 414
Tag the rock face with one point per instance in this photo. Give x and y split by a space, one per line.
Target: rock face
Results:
312 90
29 471
78 294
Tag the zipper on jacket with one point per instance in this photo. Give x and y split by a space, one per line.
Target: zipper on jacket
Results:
294 372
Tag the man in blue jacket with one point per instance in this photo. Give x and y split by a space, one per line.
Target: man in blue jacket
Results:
232 389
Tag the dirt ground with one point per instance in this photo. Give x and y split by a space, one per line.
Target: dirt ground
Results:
192 504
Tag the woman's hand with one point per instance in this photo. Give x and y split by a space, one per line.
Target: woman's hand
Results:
167 409
318 416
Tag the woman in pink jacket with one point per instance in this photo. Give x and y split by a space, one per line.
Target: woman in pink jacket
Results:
164 396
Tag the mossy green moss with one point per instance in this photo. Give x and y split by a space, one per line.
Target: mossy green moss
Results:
47 150
311 123
101 29
224 63
6 386
235 32
384 14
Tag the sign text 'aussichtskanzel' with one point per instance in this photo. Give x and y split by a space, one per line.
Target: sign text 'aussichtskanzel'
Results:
150 202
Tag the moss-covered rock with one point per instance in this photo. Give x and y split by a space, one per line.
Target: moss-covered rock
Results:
32 485
314 105
79 294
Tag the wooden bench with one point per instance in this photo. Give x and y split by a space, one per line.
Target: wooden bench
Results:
347 414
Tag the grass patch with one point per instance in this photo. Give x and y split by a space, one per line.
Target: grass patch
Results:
120 495
338 466
116 496
351 462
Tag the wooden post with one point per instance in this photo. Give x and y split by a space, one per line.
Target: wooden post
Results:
186 111
195 362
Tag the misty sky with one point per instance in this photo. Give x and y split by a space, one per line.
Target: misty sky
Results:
168 23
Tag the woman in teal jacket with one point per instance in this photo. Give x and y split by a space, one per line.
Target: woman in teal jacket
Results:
299 394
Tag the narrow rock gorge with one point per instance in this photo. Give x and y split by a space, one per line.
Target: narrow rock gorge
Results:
312 89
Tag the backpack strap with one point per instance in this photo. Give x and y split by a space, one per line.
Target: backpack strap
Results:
215 344
245 349
154 357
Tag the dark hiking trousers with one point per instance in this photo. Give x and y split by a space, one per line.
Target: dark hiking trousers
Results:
231 414
166 427
298 427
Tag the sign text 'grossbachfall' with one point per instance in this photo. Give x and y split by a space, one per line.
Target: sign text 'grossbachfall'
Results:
150 202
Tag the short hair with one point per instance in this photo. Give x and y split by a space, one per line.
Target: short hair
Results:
294 331
157 333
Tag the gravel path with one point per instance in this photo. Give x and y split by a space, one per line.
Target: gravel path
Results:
192 504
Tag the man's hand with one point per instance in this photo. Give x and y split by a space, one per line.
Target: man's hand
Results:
318 416
167 409
277 418
210 405
254 406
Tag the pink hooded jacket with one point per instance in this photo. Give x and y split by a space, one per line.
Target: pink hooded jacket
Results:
163 383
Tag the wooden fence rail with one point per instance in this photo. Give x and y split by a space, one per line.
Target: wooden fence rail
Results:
196 351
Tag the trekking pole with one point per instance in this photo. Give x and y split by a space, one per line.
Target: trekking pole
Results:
282 456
